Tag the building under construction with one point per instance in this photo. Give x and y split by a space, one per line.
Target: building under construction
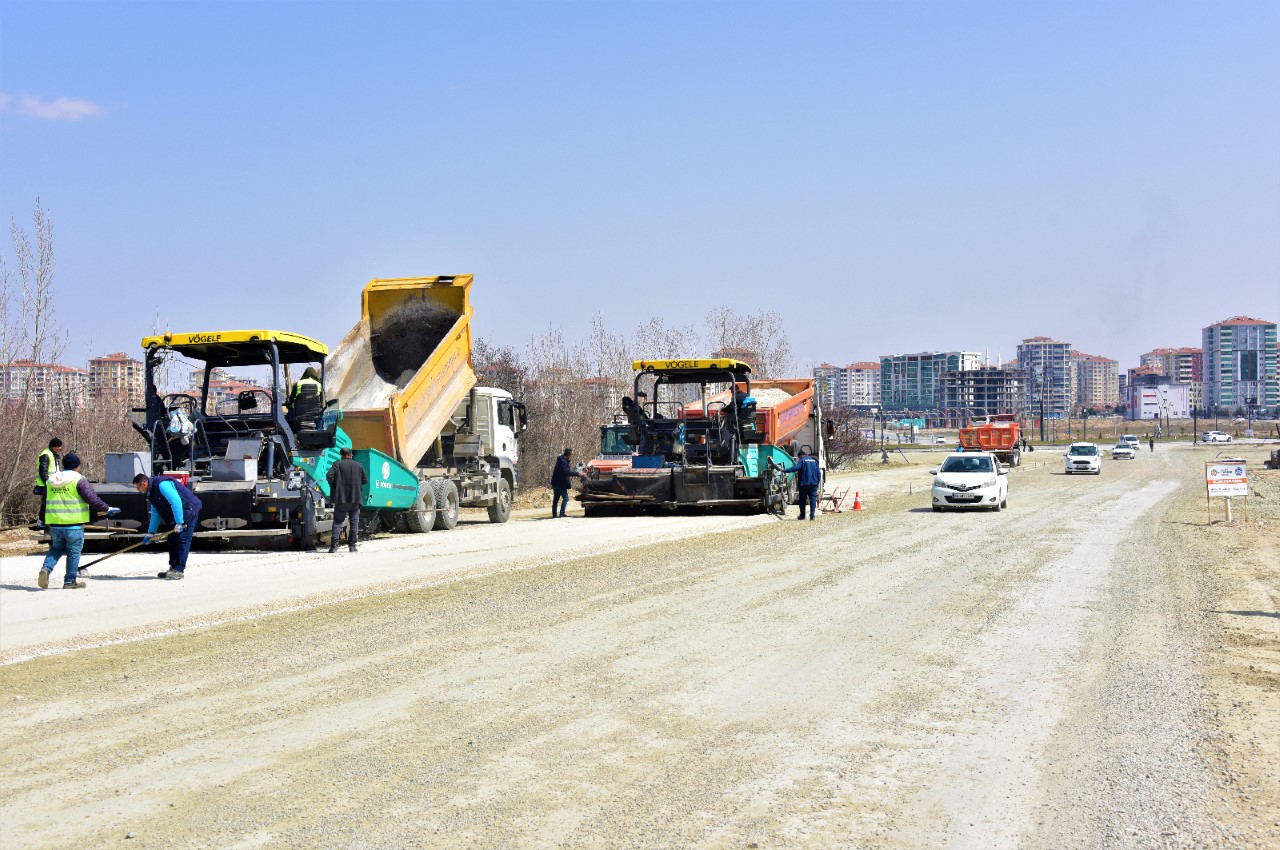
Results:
981 392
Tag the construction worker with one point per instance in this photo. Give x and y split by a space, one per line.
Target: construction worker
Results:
808 480
310 378
346 483
46 464
174 506
560 475
68 500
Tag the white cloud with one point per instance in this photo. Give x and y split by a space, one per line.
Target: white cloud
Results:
58 109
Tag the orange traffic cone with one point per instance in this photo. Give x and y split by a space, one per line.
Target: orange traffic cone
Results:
857 500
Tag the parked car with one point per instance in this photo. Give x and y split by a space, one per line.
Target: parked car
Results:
1131 440
1215 437
1083 457
970 480
1123 451
938 439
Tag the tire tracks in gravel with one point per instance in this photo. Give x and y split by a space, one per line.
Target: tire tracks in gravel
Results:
887 679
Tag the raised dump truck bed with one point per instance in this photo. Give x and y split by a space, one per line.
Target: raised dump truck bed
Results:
403 377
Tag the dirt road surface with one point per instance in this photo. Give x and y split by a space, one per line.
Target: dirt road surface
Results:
1066 673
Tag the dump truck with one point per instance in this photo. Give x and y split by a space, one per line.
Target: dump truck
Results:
1000 434
430 440
703 439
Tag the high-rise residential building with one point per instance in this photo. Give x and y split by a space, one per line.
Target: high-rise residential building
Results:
985 391
1097 381
857 384
1181 366
910 381
116 378
830 385
862 380
48 383
1240 364
1051 379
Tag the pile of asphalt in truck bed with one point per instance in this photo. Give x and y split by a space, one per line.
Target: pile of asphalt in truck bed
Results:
404 338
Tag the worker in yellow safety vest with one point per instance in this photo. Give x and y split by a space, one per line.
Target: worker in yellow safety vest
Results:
68 500
47 463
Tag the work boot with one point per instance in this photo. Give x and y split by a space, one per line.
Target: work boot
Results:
333 549
352 549
73 585
43 578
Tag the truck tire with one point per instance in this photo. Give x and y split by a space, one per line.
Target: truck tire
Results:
446 503
500 510
421 518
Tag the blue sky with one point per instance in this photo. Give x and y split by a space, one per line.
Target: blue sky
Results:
891 177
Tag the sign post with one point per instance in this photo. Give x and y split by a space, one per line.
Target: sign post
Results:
1226 478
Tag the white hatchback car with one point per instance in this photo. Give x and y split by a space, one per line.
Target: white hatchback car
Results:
1215 437
970 480
1132 441
1083 457
1123 451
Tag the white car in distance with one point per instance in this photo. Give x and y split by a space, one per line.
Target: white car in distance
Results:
1132 441
970 480
1123 451
1215 437
1083 457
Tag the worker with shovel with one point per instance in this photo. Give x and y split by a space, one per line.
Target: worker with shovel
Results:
173 505
68 499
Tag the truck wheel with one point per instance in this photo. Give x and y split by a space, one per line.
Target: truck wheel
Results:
446 503
421 518
500 510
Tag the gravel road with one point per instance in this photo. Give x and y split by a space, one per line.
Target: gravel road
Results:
891 678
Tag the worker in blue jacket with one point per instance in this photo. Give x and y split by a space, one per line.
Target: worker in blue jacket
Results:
174 506
808 480
560 475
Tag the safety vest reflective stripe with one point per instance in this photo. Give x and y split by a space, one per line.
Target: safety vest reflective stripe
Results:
63 505
50 468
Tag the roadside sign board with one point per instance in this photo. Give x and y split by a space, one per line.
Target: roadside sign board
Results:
1226 478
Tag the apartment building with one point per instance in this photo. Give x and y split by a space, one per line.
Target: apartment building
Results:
1240 364
116 378
1051 378
44 383
1097 381
911 381
985 391
855 385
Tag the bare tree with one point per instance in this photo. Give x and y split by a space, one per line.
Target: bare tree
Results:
763 333
849 440
32 333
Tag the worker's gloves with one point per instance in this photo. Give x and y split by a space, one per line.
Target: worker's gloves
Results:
113 512
146 538
180 527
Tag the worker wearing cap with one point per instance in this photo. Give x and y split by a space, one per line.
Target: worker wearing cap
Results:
808 480
174 506
46 465
68 501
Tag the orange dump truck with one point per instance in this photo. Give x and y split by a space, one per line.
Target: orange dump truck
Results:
999 435
783 406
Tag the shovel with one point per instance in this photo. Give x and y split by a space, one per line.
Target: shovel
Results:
154 539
